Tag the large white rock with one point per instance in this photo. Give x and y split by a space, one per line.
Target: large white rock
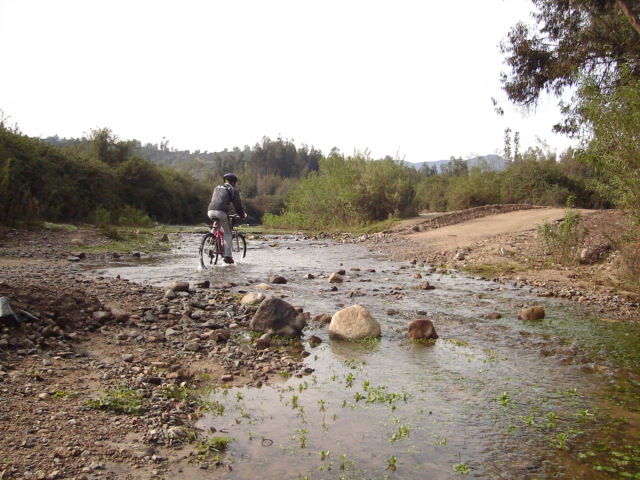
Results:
253 298
354 323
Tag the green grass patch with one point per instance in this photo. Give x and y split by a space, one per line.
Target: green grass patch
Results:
60 226
126 239
119 400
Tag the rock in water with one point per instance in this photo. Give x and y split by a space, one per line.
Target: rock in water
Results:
278 317
531 313
335 277
253 298
354 323
422 329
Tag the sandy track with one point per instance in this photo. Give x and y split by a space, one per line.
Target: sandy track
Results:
485 228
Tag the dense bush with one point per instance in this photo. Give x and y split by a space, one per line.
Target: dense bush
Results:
535 179
349 191
39 182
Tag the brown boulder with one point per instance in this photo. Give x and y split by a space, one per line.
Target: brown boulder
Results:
322 318
422 329
531 313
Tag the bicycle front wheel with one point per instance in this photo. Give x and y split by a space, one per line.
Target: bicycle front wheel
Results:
209 251
239 244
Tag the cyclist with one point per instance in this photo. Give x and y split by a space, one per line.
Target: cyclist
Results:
222 197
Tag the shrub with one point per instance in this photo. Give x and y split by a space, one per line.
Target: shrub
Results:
629 264
101 216
132 217
563 240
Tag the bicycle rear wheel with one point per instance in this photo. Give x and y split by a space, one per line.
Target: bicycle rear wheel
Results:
239 244
209 251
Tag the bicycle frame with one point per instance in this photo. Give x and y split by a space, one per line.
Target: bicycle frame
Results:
218 234
216 239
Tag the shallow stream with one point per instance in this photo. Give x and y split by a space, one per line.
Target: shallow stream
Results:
499 399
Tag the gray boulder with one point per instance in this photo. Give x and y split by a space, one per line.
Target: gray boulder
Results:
354 323
278 317
6 312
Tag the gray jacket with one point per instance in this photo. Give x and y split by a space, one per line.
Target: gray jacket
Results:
223 196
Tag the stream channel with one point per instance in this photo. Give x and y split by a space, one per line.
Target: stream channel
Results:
500 398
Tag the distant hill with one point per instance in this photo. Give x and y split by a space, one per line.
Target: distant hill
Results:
493 162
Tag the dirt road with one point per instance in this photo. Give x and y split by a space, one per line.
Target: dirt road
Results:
486 228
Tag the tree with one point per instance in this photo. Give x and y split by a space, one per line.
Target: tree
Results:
573 38
594 47
611 140
456 167
507 153
109 149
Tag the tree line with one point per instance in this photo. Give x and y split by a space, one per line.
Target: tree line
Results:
103 179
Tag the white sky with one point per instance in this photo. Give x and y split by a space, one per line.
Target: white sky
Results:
405 77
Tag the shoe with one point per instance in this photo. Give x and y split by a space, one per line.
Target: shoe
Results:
228 260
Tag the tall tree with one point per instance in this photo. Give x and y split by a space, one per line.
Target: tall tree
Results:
571 39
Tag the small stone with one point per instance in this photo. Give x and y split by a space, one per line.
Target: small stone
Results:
336 278
177 432
179 286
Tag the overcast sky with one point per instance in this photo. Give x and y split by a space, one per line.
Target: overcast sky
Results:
407 78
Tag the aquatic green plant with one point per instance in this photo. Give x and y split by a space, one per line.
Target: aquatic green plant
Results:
349 379
503 399
461 468
391 463
211 406
210 445
439 440
403 432
562 441
302 435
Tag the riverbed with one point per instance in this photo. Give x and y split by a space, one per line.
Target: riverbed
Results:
491 398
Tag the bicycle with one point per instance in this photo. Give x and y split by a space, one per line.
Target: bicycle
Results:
212 244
